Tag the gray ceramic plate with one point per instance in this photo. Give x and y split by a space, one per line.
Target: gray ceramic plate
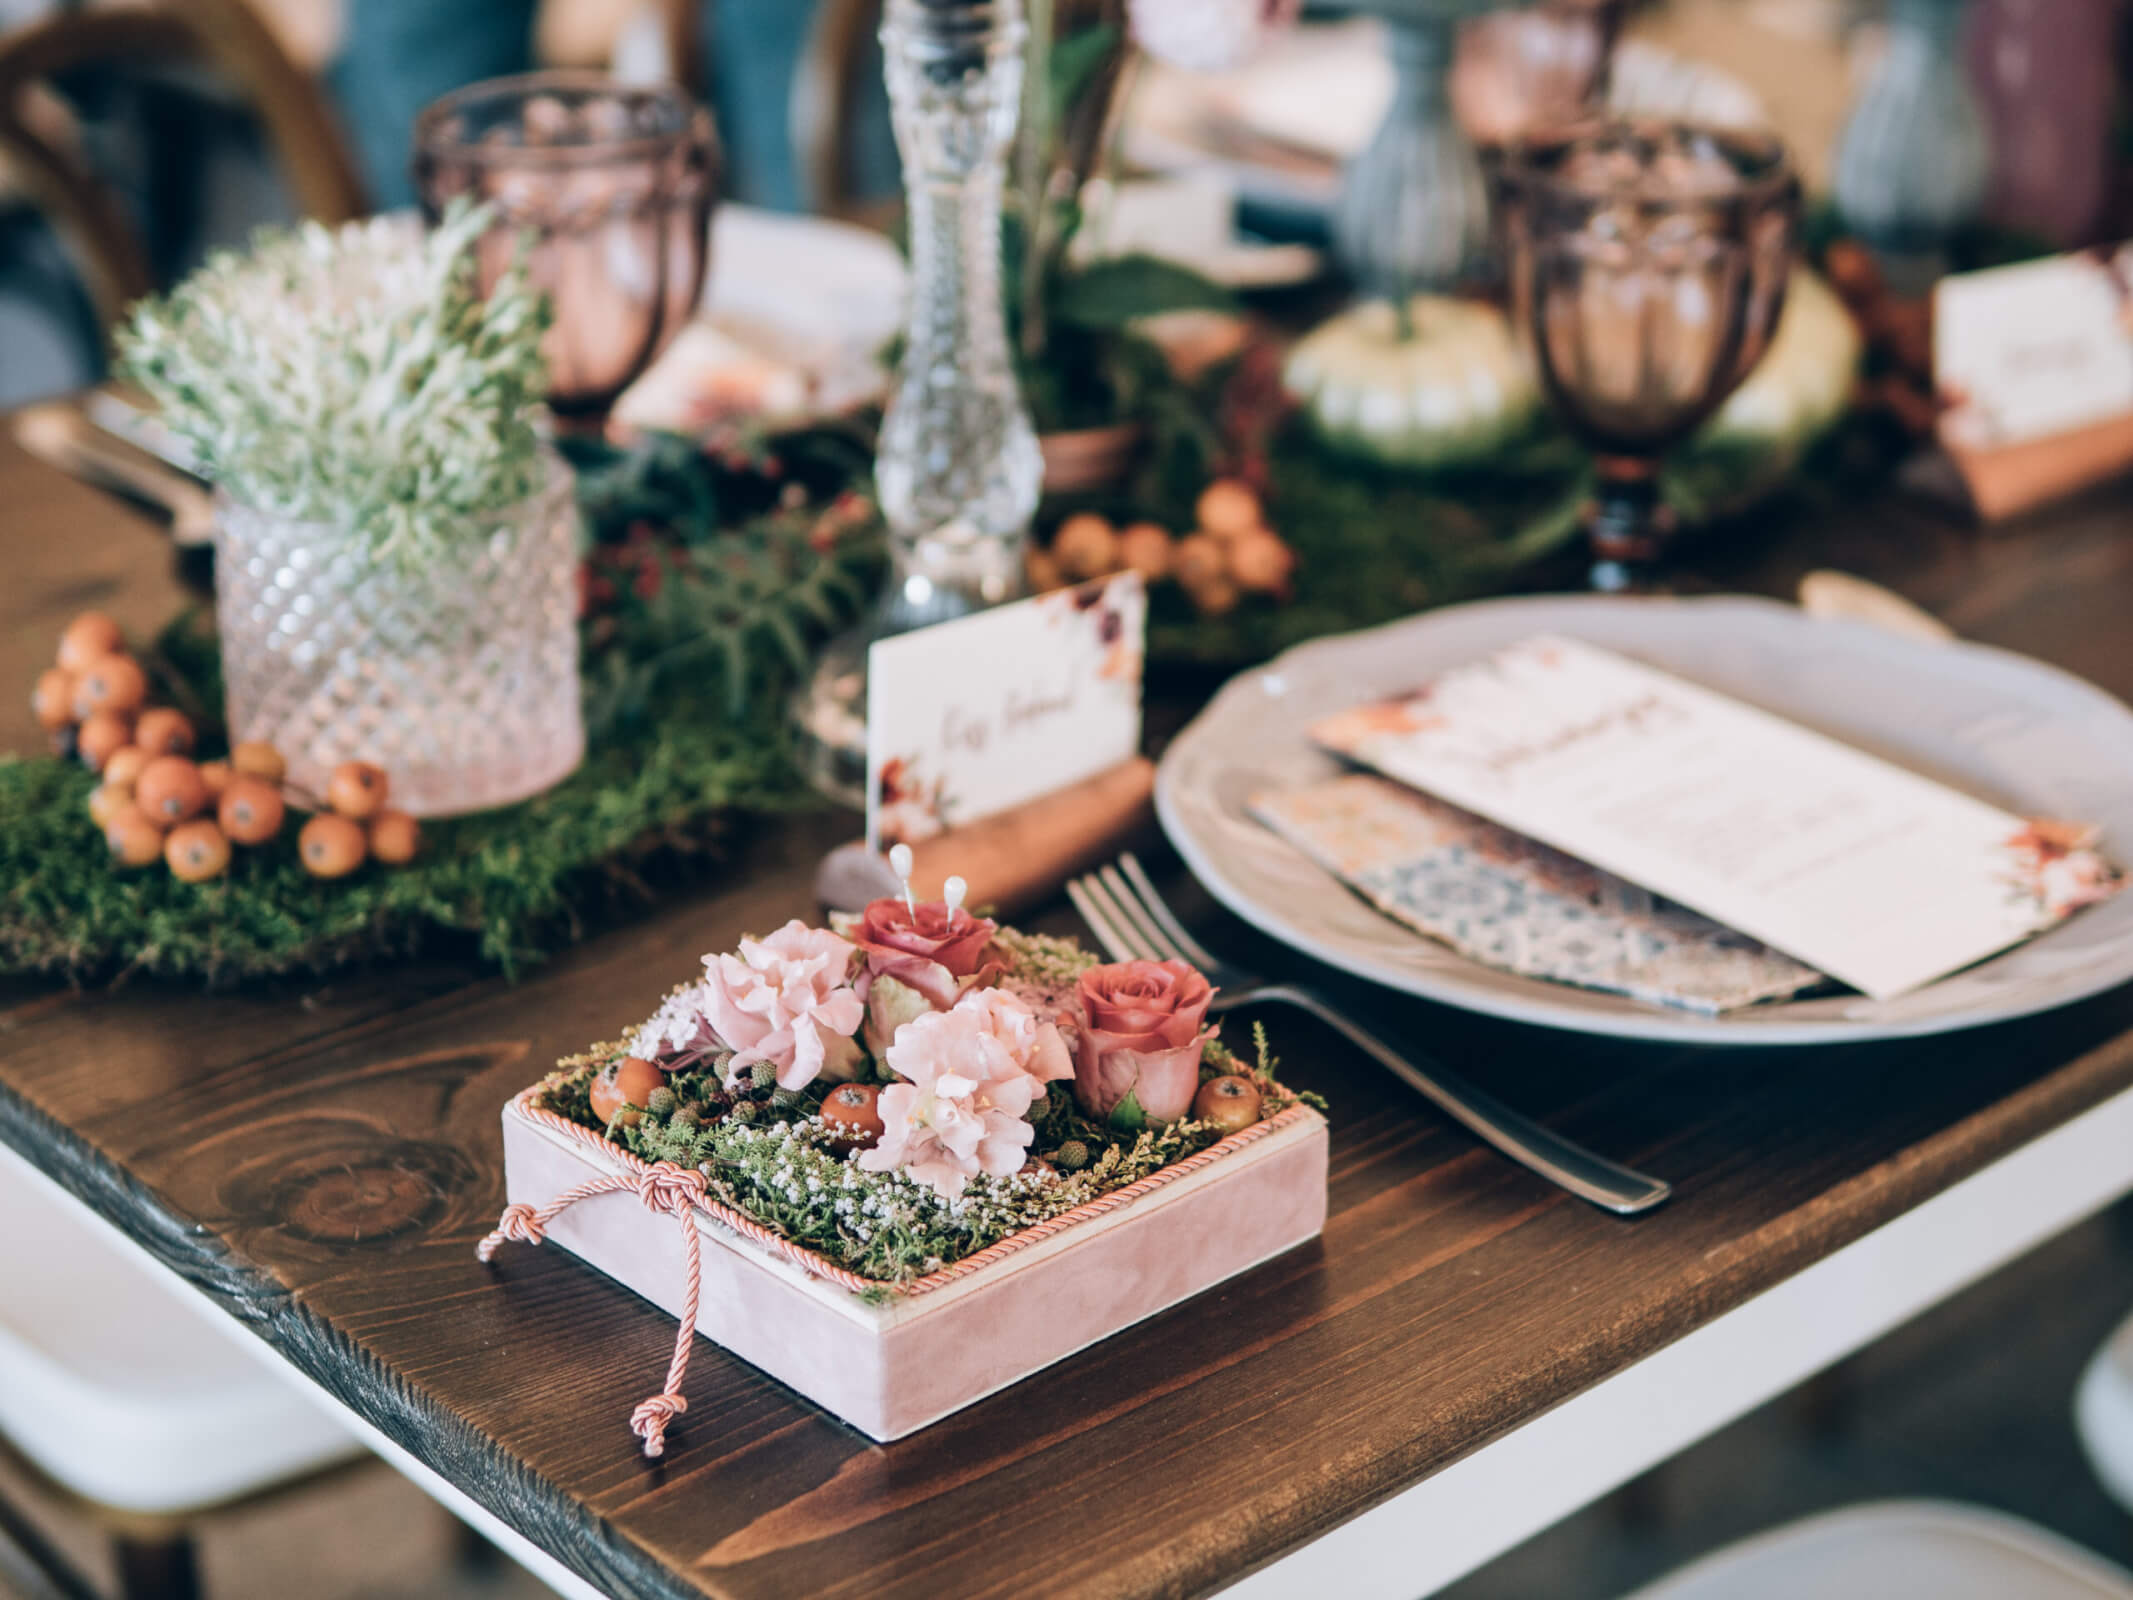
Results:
2012 731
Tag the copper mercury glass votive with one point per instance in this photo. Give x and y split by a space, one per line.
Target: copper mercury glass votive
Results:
1647 264
614 184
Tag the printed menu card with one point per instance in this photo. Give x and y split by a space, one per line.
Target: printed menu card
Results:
1874 875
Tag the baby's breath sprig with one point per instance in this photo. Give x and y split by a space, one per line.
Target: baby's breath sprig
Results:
355 377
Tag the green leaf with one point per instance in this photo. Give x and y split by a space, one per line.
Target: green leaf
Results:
1075 60
1127 1114
1110 294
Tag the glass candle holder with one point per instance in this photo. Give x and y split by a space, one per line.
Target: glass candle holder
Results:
460 678
613 186
1647 264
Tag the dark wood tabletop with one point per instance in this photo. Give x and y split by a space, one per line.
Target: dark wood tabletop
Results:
320 1157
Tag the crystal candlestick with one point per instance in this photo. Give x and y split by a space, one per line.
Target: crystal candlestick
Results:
957 466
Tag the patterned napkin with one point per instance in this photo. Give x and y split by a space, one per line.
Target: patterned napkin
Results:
1505 901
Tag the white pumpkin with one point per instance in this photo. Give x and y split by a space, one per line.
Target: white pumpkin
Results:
1451 388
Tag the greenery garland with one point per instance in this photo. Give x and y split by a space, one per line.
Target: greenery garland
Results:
681 742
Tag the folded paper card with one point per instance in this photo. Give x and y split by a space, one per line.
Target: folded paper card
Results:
2033 369
966 719
1502 900
1858 868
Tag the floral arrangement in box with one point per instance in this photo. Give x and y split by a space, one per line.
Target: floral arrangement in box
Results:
900 1100
913 1084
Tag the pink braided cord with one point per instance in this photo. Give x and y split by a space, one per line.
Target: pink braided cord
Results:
662 1187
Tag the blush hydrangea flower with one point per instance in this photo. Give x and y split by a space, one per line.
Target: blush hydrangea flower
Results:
787 1000
971 1074
680 1027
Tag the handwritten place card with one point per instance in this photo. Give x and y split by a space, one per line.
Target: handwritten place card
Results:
2033 365
1860 869
968 718
2032 350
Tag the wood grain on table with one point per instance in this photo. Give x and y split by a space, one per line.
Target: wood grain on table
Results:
320 1157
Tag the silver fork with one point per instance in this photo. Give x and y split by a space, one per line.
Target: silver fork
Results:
1132 922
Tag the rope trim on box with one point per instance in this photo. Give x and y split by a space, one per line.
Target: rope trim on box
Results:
679 1192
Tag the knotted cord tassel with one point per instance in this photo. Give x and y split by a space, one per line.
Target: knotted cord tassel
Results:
664 1187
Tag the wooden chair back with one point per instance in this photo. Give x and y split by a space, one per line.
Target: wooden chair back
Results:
224 34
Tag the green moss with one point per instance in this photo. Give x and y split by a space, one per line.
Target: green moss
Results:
686 736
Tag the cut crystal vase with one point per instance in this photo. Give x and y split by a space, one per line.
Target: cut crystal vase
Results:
957 467
460 679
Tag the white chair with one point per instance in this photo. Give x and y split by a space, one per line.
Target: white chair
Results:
2103 1414
1899 1550
133 1396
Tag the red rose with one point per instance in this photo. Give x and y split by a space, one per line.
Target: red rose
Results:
1139 1055
928 949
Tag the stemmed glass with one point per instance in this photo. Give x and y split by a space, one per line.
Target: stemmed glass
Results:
615 184
1647 265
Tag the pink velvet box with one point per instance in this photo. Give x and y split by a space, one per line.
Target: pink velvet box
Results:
891 1363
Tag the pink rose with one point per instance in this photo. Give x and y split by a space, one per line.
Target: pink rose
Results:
928 949
788 1000
971 1074
1139 1055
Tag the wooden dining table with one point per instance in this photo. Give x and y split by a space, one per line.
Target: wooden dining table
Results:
1465 1356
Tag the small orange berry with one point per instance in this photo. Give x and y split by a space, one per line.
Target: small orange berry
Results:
1229 1102
170 789
88 636
107 800
102 735
356 790
1227 508
852 1113
133 839
53 699
1147 549
122 769
164 732
197 851
330 846
394 838
250 810
1215 597
1043 572
628 1082
1198 559
1260 562
1086 546
110 683
255 758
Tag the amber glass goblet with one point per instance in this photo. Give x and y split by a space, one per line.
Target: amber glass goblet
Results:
611 185
1647 264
